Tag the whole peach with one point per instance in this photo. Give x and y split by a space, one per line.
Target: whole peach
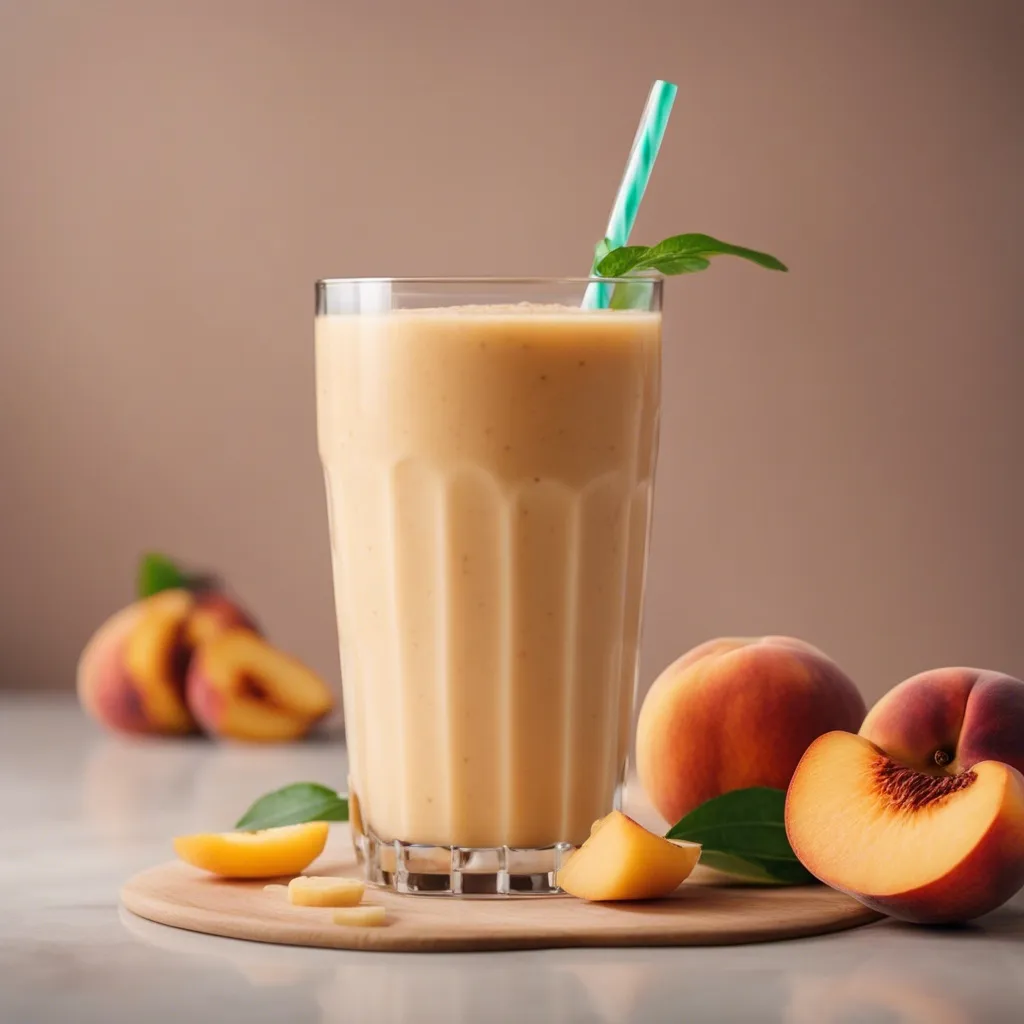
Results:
950 719
734 713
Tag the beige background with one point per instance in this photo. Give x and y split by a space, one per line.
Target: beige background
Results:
843 449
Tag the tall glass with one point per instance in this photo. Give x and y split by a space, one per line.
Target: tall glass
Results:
488 449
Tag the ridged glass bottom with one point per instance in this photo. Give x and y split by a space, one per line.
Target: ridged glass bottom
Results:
425 870
459 870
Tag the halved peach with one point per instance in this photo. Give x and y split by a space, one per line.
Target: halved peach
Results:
241 687
131 672
929 848
623 861
268 853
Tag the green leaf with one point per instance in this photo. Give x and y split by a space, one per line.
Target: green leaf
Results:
695 245
682 264
601 250
157 572
780 872
744 833
293 805
621 261
680 254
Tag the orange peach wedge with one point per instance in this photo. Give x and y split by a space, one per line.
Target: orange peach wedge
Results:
623 861
269 853
241 687
928 848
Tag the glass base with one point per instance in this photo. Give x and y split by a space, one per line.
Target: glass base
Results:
460 870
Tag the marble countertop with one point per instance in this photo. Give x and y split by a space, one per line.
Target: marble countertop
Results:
82 811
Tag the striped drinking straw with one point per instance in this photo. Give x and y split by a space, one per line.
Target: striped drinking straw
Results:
646 144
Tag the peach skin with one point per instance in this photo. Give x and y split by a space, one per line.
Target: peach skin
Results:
949 719
733 713
213 613
131 673
241 687
926 848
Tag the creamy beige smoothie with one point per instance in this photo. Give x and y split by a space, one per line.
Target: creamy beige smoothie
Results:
489 476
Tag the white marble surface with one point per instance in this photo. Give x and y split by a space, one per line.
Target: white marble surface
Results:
81 811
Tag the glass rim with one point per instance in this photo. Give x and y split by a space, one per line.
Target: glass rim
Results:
652 278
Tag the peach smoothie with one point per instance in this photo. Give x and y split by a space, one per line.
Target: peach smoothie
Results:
489 474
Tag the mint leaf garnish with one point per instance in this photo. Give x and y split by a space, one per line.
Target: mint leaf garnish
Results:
293 805
157 572
680 254
618 262
744 833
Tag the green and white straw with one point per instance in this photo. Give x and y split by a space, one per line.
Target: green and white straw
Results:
646 144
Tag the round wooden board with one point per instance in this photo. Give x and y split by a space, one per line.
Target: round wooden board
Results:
705 911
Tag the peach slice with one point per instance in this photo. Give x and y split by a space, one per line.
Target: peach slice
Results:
269 853
623 861
928 848
360 917
241 687
324 891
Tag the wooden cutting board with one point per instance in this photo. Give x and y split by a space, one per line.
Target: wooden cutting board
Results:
707 910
